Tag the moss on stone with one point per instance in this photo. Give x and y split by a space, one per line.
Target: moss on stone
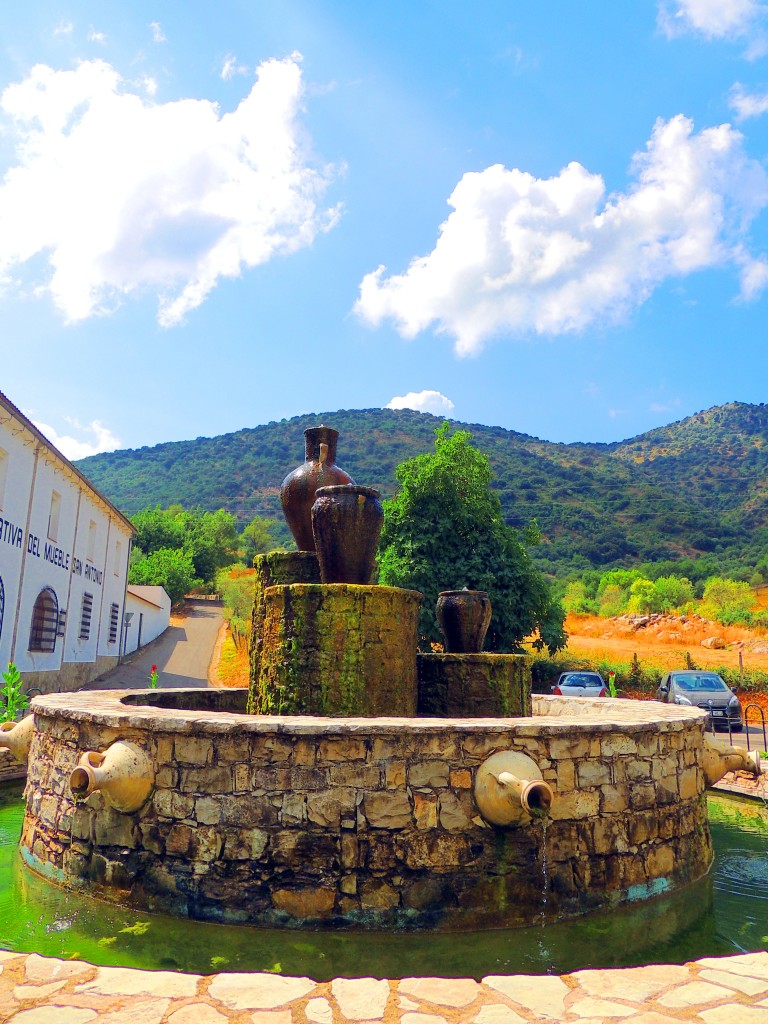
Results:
338 649
474 685
272 569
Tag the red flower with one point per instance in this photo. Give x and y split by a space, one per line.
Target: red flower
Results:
154 668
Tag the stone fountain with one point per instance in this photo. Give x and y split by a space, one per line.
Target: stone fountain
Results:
318 796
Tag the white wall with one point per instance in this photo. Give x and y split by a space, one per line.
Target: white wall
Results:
151 608
47 561
14 506
83 549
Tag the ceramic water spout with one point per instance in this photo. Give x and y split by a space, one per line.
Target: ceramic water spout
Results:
510 790
123 774
716 761
17 736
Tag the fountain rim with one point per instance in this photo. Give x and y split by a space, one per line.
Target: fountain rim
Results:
121 709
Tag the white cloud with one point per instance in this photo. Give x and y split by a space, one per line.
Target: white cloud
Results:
158 36
520 254
64 28
122 195
148 84
716 19
96 37
746 105
102 439
230 68
422 401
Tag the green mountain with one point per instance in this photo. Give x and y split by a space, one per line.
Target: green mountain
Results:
696 487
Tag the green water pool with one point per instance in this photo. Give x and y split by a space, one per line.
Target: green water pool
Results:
727 912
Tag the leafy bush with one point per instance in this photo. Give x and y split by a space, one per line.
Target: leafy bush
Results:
729 602
169 568
235 585
444 530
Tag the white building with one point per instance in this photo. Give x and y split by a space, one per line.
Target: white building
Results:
64 553
147 614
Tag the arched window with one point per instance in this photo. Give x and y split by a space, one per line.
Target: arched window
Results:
45 622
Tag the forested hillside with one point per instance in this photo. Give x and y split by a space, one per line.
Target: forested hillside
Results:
693 488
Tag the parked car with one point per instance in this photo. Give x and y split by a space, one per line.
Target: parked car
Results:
580 684
705 690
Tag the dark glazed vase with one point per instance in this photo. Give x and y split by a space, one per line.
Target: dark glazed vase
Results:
297 493
463 617
347 521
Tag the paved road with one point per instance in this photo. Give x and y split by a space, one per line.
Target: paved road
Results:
757 740
182 654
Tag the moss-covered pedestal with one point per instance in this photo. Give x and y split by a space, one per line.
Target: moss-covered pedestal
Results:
338 649
474 685
272 569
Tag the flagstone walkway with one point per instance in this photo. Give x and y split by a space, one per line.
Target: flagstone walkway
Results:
723 990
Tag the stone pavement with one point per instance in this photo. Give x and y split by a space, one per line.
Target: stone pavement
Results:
721 990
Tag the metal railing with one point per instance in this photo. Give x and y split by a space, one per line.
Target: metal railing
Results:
761 713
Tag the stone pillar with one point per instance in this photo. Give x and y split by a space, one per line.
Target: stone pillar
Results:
474 685
272 569
338 649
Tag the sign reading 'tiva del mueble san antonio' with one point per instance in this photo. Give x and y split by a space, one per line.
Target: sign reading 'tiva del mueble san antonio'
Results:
48 551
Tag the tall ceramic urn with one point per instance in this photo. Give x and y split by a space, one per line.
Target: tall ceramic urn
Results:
297 493
347 521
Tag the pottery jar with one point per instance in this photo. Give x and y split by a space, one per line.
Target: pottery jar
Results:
347 521
297 493
463 617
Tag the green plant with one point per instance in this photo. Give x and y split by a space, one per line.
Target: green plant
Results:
14 700
635 677
612 683
445 530
167 567
154 676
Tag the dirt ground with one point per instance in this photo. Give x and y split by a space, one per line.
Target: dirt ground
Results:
664 640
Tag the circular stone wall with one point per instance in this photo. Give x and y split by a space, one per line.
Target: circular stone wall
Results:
367 822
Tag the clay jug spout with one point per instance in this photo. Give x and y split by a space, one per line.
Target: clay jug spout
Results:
17 736
123 774
716 761
509 789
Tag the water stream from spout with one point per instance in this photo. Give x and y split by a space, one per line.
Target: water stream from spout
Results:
544 868
544 871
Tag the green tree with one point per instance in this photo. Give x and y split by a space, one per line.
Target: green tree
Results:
613 601
728 601
170 568
673 592
643 596
444 530
259 537
211 540
235 585
158 528
575 599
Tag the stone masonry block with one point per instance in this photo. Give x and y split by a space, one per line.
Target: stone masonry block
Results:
387 810
342 748
193 750
593 773
429 774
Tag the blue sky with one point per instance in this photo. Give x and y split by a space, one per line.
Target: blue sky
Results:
549 217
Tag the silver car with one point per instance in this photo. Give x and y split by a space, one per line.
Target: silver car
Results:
705 690
580 684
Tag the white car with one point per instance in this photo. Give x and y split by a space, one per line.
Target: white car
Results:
580 684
